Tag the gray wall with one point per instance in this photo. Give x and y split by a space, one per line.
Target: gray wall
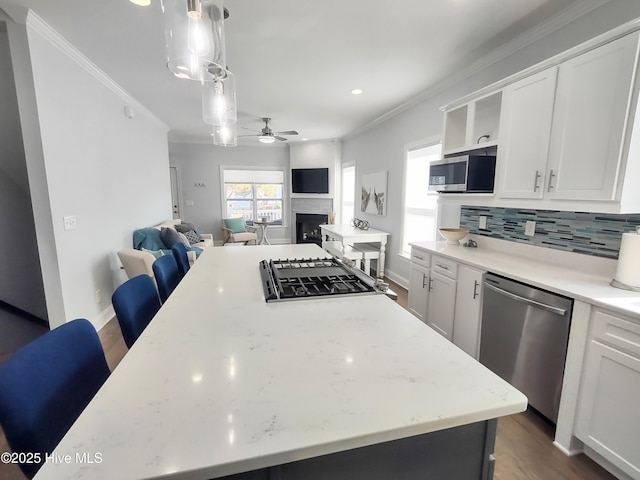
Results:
86 159
382 147
200 163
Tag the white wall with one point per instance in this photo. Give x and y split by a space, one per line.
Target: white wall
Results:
109 171
20 278
200 163
382 147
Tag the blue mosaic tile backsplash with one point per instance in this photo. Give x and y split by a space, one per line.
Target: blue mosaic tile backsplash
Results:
587 233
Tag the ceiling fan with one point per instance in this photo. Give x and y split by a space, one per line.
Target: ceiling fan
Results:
266 135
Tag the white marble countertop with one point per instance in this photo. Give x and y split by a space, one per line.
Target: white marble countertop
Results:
222 382
574 275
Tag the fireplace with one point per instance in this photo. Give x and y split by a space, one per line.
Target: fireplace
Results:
308 227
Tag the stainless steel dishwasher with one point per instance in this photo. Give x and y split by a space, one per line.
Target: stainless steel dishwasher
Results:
524 337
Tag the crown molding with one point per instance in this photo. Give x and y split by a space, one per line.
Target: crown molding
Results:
552 24
36 23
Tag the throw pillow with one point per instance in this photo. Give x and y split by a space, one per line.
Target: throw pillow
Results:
184 239
185 227
170 237
236 225
192 236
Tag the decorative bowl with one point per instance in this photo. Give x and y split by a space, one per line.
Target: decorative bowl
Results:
453 235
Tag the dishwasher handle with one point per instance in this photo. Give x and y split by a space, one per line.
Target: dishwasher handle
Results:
558 311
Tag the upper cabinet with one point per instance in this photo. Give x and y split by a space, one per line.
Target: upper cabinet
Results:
590 114
472 125
527 109
566 135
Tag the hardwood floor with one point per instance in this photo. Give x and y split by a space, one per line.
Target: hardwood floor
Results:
524 448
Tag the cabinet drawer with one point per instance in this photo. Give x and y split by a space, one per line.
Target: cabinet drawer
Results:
616 331
444 266
421 257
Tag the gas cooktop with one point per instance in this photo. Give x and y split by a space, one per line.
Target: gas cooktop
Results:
314 277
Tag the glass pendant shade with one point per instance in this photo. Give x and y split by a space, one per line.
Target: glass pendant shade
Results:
219 98
225 136
194 34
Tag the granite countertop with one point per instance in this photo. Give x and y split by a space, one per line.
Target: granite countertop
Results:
574 275
221 382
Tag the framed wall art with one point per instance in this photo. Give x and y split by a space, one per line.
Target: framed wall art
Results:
374 193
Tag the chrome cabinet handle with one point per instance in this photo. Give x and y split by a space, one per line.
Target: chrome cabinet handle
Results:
535 181
444 267
551 175
418 257
424 277
476 284
430 282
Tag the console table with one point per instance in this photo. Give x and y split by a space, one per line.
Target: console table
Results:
348 234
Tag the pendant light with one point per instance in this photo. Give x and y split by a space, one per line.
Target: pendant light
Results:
219 102
194 34
225 136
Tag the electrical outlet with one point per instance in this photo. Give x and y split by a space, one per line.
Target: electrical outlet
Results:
69 222
98 296
530 228
482 222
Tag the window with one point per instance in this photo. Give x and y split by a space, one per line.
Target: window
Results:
253 195
347 211
420 205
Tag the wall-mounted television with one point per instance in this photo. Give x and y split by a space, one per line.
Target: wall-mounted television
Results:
310 180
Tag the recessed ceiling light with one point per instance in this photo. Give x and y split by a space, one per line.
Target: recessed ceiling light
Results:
304 139
142 3
357 91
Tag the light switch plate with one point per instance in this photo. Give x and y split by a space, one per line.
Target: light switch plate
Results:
530 228
482 222
69 222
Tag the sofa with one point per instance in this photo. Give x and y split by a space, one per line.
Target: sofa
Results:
152 242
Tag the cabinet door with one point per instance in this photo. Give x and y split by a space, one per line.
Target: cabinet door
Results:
525 119
442 302
590 114
608 415
466 324
419 291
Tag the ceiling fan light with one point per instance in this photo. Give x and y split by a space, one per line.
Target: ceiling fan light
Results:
266 139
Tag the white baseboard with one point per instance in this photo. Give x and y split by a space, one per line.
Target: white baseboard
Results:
103 318
403 282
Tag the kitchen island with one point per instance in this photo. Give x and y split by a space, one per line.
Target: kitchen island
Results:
222 383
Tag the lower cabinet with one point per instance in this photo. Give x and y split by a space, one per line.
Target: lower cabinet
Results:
419 291
466 330
442 304
608 416
447 296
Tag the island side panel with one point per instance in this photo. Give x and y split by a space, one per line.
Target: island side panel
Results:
460 453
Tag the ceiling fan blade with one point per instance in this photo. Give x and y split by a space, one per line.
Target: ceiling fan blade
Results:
288 132
280 138
249 135
246 128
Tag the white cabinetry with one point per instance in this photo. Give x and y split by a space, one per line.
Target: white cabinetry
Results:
527 108
442 296
589 119
608 417
468 312
419 283
473 125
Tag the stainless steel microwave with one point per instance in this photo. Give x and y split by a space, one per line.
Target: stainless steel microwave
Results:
464 174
